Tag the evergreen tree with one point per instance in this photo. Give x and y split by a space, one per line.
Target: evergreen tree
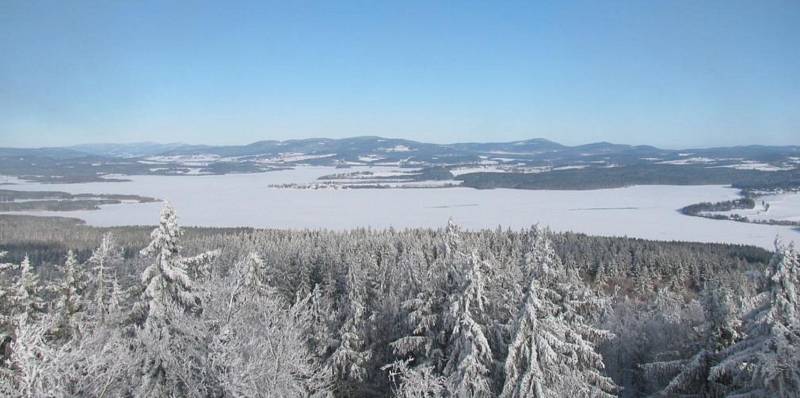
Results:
319 328
416 382
691 376
349 360
6 306
425 340
552 352
255 277
767 361
71 303
469 357
33 370
105 259
171 355
24 294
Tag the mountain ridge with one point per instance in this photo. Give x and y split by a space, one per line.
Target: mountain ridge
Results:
532 146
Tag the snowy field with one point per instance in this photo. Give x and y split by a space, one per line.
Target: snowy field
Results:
247 200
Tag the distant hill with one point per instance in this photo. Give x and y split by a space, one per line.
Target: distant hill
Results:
517 160
392 149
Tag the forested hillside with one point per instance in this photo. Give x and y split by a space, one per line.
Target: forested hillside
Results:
414 313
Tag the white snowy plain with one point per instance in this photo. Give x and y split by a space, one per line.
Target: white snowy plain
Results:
648 212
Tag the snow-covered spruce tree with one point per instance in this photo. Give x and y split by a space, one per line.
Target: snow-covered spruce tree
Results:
689 377
319 328
424 344
23 297
4 266
425 341
71 303
170 353
469 357
105 259
416 382
428 306
6 305
257 341
255 277
101 362
115 308
33 370
552 352
349 361
766 363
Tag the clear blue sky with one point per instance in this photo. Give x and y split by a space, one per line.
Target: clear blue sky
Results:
671 73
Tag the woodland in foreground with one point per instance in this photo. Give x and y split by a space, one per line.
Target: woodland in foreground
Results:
414 313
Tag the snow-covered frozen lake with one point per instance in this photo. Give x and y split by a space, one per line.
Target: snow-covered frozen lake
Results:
247 200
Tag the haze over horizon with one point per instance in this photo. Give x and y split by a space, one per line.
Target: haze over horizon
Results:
672 75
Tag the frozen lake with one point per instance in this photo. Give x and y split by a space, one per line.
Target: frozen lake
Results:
247 200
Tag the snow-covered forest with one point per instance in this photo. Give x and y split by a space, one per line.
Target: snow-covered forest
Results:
415 313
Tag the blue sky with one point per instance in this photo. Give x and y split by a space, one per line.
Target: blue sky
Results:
668 73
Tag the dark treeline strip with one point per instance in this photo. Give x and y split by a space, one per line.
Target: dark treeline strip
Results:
728 205
11 200
643 174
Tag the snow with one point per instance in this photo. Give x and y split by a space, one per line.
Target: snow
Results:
194 171
247 200
391 172
509 153
197 160
10 180
505 169
369 158
506 160
477 169
752 165
571 167
290 157
398 148
695 160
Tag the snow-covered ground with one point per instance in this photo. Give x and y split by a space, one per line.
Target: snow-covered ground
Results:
247 200
571 167
489 168
10 180
188 160
397 148
478 169
753 165
695 160
780 207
